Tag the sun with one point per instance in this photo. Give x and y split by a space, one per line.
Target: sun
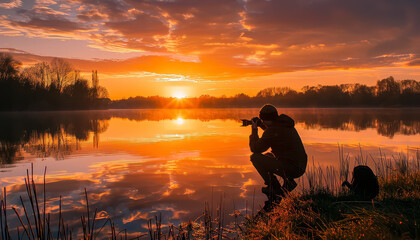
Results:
179 95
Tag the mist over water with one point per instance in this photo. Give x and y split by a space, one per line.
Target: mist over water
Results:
138 163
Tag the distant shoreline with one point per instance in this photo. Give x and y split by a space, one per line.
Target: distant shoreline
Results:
250 107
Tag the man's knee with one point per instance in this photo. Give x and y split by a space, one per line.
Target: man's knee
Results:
256 157
269 154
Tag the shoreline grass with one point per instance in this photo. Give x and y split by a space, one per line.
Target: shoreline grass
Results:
325 211
321 214
322 210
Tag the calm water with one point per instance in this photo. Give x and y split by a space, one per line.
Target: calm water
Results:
138 163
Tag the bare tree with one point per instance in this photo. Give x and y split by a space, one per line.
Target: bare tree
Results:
95 79
39 73
61 72
273 91
410 86
102 92
9 67
388 87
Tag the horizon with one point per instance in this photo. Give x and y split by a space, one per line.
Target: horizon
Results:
189 49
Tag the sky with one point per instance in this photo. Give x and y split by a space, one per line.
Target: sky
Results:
219 47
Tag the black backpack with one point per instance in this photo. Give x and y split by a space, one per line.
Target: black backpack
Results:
364 183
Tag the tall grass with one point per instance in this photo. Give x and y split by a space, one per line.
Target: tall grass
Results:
36 222
329 178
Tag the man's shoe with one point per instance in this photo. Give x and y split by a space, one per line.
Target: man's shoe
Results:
289 185
269 191
266 190
269 205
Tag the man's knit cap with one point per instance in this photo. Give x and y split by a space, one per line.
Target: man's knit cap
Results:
268 113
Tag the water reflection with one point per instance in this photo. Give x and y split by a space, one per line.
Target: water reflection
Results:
58 134
47 134
179 121
387 122
136 163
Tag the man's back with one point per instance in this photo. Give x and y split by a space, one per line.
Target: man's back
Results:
284 141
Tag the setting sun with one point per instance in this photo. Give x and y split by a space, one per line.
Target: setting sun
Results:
179 95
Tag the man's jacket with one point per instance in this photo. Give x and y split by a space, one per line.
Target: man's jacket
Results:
283 139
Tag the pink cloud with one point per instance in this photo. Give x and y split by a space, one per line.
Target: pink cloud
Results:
12 4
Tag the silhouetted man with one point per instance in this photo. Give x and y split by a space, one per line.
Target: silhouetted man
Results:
287 158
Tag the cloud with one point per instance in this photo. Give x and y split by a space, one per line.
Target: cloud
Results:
415 62
12 4
40 12
389 26
143 31
114 9
45 19
53 24
45 2
91 15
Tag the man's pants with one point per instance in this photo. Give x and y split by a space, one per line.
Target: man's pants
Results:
267 165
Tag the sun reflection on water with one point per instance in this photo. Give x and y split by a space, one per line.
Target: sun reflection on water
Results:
179 121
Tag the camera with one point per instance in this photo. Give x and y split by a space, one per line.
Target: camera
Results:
246 122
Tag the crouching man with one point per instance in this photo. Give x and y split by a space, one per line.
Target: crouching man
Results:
287 158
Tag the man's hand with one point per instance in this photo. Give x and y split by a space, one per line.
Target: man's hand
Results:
254 125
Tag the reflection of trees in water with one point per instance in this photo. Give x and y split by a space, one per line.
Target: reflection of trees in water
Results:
387 122
389 129
336 120
410 129
47 134
44 145
9 153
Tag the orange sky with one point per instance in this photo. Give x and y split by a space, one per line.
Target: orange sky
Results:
185 47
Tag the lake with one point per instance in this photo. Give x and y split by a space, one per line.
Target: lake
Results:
136 164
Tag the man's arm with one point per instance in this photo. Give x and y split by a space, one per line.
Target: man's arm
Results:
257 144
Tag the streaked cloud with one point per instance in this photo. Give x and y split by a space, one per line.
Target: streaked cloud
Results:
11 4
45 2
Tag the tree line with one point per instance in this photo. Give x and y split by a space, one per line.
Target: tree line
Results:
57 85
387 92
47 86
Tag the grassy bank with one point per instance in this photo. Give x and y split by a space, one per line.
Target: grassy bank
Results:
324 211
321 214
